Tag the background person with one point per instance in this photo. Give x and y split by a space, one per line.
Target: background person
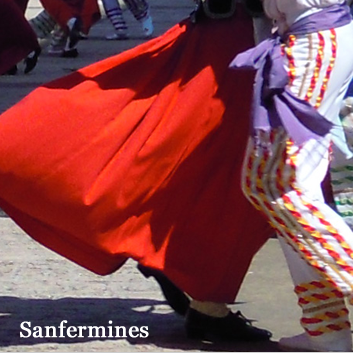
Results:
17 40
140 10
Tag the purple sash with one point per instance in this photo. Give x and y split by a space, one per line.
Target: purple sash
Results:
273 104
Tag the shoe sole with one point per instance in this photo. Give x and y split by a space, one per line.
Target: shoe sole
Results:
285 348
200 334
73 53
117 38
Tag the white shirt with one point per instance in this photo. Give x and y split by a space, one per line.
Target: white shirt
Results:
286 12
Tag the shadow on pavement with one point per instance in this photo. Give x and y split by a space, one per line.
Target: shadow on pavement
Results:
165 329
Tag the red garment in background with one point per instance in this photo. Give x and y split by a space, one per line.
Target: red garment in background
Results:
63 10
17 38
22 4
90 14
139 156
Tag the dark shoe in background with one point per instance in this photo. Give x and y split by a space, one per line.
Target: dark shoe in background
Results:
71 53
74 25
31 60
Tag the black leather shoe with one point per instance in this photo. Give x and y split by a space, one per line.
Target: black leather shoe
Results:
70 53
175 297
31 60
233 327
74 32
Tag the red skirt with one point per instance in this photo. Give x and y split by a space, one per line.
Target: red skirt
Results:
17 38
139 156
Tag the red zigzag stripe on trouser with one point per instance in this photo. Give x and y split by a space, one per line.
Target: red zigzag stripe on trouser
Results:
316 241
331 315
273 182
325 316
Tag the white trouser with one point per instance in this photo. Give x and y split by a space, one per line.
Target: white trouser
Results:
283 181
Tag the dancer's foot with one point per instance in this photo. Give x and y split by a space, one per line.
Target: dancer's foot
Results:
120 34
74 26
233 327
31 60
339 341
70 53
83 36
147 26
298 343
58 41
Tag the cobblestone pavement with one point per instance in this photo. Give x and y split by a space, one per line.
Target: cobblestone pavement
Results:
40 287
43 288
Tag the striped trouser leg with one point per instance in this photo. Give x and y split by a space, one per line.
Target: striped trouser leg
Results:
42 24
325 315
139 8
115 14
58 40
283 181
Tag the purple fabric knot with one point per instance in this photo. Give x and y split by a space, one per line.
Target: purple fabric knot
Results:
273 104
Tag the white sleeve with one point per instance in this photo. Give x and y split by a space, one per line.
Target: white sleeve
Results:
321 3
271 9
274 8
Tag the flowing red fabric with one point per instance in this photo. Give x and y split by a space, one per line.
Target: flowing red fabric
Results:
139 156
17 38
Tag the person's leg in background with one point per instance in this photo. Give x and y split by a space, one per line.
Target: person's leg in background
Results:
141 11
43 24
67 15
115 15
